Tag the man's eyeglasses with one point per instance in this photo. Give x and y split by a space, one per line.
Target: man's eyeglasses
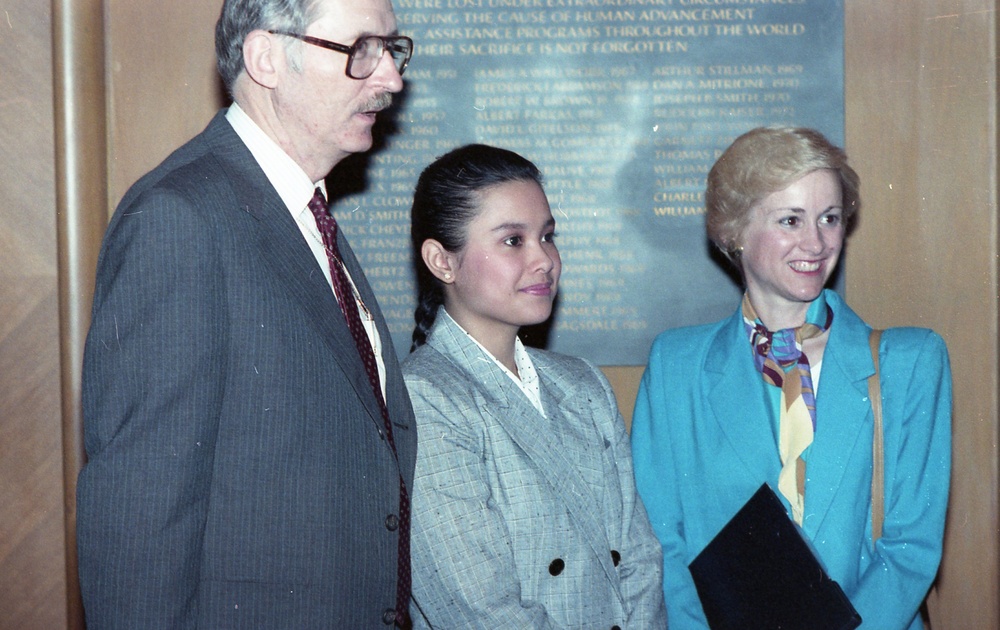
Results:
363 56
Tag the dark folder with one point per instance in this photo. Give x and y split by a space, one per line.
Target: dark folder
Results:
759 573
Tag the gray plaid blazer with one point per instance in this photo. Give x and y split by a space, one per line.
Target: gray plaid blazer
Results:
523 521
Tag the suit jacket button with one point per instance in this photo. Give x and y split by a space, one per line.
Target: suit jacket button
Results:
556 567
616 557
389 617
392 522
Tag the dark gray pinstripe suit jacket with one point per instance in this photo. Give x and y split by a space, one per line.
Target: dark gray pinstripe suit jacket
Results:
237 474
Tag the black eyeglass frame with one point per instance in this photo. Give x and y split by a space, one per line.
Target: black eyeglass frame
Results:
387 46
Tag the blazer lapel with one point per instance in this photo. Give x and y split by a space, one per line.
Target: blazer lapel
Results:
843 410
565 404
738 401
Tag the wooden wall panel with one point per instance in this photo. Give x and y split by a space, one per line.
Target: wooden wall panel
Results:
922 132
32 584
162 83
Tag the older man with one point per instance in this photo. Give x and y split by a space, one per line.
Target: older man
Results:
249 437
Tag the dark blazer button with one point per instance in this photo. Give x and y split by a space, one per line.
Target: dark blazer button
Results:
557 566
616 557
389 617
392 522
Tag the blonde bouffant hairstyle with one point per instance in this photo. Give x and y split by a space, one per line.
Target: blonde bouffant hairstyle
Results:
763 161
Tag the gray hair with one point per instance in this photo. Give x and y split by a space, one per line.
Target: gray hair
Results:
239 17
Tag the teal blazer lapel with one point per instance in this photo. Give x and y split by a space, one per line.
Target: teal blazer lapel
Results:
739 403
843 411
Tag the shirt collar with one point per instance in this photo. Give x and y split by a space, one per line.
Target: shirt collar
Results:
285 175
528 381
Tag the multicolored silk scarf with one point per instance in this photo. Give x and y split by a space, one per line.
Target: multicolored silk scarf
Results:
778 355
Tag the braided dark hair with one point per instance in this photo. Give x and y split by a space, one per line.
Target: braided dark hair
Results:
444 202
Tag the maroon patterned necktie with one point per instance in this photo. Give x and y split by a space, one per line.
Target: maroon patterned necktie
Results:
344 291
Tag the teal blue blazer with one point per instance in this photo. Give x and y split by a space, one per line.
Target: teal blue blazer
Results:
703 442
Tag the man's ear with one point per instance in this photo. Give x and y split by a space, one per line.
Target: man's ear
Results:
439 260
262 58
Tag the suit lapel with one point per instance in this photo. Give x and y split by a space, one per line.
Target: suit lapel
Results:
397 399
289 258
531 431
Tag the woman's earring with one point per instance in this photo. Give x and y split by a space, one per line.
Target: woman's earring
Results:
447 276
